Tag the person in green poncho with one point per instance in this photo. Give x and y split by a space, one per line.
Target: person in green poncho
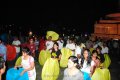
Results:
56 51
94 58
50 70
100 72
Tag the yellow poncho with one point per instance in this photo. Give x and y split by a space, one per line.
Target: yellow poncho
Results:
66 53
101 74
43 56
53 34
18 62
50 69
91 50
107 61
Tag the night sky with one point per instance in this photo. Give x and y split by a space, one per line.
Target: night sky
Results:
57 15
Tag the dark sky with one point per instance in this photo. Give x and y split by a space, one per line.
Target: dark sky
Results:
81 13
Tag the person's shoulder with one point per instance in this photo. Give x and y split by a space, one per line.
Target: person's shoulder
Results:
31 58
80 75
66 70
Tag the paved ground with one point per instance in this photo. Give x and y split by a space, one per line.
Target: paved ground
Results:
114 69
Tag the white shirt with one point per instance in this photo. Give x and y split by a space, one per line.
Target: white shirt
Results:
17 42
26 64
77 51
71 47
82 45
49 44
104 50
86 68
92 63
60 43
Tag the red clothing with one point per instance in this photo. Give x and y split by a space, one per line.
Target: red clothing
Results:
11 52
32 47
42 45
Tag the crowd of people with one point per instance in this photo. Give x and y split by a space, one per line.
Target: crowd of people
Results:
85 56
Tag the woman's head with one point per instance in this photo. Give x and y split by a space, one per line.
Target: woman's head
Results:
73 62
25 51
86 55
31 40
50 38
94 54
99 60
55 45
99 49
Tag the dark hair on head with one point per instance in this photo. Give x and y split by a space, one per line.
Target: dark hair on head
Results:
89 57
99 48
101 58
2 62
78 43
94 51
50 37
26 50
32 38
56 43
75 60
72 38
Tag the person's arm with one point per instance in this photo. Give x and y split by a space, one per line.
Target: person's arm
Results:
17 66
32 65
78 52
2 71
60 57
92 70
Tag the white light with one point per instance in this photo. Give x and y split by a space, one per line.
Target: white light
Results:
30 33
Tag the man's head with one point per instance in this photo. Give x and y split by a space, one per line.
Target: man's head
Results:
50 38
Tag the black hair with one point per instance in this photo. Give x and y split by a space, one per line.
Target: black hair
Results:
101 58
50 37
99 48
32 38
56 43
2 62
89 57
94 51
26 50
78 43
75 60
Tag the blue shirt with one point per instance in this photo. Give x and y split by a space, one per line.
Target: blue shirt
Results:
3 51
